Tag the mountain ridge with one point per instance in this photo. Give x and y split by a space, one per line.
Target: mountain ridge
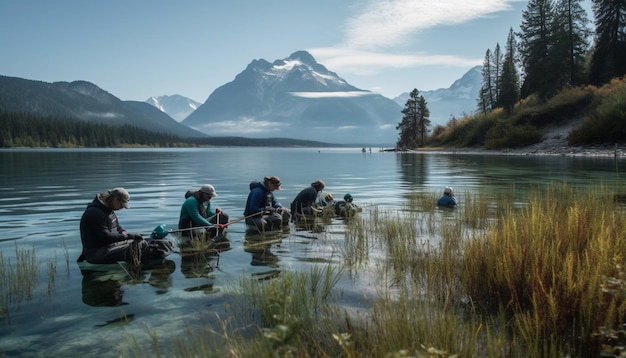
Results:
298 98
84 101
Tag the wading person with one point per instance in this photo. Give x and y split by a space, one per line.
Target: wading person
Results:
196 217
447 199
105 241
304 202
263 211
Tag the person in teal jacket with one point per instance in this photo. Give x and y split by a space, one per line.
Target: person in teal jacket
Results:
197 218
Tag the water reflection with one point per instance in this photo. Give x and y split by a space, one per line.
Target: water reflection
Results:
161 276
44 193
195 264
102 284
102 287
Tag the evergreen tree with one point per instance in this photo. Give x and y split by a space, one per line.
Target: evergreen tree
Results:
509 80
570 42
534 48
414 123
423 121
496 73
486 97
609 54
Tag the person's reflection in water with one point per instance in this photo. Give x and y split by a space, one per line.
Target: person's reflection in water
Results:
196 264
199 259
160 276
104 288
259 245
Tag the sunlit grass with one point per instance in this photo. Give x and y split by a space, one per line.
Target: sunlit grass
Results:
544 275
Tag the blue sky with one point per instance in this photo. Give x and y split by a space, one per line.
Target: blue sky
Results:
138 49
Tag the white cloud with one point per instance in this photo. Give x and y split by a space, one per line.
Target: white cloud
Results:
246 125
344 94
370 62
384 24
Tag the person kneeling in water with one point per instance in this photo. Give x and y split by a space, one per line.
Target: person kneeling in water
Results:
197 218
106 242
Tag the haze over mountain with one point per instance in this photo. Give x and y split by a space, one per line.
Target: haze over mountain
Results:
81 100
297 97
459 99
176 106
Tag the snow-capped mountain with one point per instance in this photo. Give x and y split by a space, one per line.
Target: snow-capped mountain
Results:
176 106
458 100
297 97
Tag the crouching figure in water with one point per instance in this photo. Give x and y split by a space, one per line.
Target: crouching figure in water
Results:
346 208
197 220
306 202
106 242
263 211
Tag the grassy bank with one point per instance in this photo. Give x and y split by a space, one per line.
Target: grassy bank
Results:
600 109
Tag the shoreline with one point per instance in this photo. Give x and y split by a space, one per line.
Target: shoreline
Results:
604 151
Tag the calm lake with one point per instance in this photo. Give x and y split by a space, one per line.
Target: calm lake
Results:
43 194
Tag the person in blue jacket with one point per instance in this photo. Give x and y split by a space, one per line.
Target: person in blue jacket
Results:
448 199
196 217
263 211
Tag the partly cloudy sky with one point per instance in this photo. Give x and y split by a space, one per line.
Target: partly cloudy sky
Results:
138 49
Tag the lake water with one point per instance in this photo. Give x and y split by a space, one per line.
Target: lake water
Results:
43 194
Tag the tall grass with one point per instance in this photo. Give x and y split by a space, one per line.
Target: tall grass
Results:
547 264
543 276
18 279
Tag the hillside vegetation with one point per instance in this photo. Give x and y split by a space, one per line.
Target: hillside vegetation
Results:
33 131
602 110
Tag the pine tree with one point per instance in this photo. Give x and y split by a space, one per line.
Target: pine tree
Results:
534 48
569 42
414 123
609 54
486 94
509 80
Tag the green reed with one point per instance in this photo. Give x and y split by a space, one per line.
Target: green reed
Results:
540 276
17 280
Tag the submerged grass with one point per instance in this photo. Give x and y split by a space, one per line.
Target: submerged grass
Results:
18 279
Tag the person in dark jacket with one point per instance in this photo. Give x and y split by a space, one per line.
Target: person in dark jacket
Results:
103 238
263 211
305 200
447 199
196 214
346 208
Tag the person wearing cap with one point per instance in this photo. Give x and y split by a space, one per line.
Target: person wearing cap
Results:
263 211
305 201
447 199
103 238
196 214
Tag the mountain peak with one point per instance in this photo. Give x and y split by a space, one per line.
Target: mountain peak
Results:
298 98
303 56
